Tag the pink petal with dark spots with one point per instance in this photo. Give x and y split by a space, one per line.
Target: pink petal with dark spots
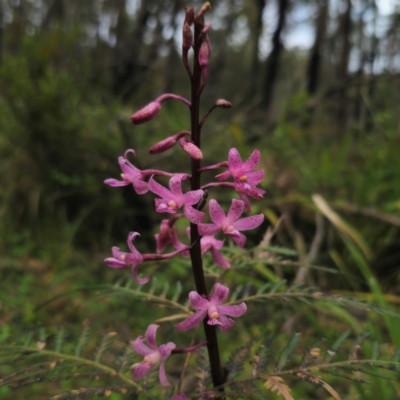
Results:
252 161
216 212
193 321
220 294
234 159
247 223
197 301
235 211
233 311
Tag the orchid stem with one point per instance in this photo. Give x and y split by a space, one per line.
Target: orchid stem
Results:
195 252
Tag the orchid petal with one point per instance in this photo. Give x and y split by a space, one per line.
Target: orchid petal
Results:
114 263
254 178
166 349
233 311
234 159
226 323
115 183
216 212
238 237
151 336
193 215
208 229
252 161
235 211
141 370
141 281
220 294
131 238
193 321
247 204
140 347
140 187
197 301
224 175
162 376
252 222
128 168
219 259
175 184
193 197
160 190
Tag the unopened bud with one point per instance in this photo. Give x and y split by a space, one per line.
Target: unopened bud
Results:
187 36
167 143
204 53
223 103
205 9
146 113
189 15
191 149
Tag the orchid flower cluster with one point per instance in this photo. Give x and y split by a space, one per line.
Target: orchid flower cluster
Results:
188 205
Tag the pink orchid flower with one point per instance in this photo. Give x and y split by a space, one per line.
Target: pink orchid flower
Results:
153 355
230 224
217 314
130 175
122 260
241 171
134 258
173 199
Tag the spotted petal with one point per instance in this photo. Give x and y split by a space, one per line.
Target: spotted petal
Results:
233 311
216 212
193 321
234 159
197 301
235 211
252 161
247 223
225 323
220 294
160 190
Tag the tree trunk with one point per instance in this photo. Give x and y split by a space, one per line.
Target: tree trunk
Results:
314 63
273 58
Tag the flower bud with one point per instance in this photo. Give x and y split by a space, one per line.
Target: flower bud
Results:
223 103
146 113
167 143
204 53
205 9
187 37
189 15
191 149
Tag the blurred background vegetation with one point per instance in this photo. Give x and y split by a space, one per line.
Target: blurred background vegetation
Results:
314 84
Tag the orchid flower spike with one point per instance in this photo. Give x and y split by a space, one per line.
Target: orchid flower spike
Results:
173 199
241 171
122 260
130 175
153 355
230 224
217 314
